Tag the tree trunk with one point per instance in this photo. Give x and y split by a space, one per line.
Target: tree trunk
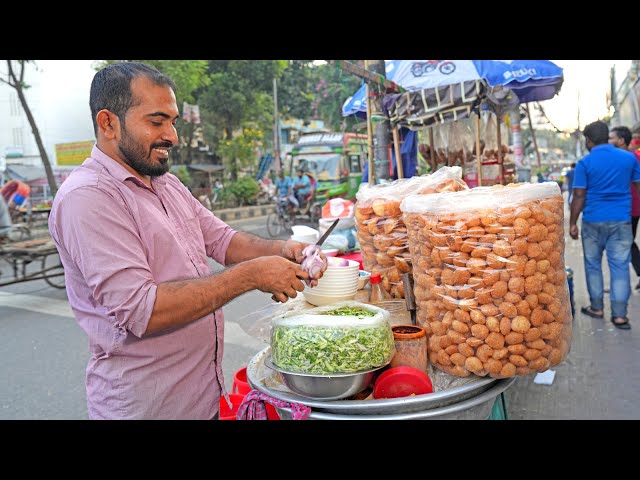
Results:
17 84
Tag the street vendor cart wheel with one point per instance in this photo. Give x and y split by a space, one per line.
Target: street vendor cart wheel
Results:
52 270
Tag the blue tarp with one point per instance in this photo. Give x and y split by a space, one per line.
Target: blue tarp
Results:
408 153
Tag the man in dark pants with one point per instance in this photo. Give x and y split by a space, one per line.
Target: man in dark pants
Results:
621 137
601 188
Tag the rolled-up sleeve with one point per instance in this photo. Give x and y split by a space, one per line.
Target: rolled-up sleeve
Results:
109 255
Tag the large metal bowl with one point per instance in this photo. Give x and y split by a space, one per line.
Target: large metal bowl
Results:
324 387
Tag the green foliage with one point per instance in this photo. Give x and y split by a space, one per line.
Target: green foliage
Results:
295 90
241 151
332 87
245 190
240 92
182 172
188 75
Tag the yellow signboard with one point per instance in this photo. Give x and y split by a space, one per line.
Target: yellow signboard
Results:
73 153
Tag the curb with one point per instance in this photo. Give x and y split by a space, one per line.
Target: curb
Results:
228 214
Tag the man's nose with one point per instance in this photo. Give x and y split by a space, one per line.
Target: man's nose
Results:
170 134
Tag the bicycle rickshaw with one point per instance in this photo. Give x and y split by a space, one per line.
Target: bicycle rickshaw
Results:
32 260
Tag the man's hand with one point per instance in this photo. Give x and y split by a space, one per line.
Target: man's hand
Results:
279 276
574 231
293 251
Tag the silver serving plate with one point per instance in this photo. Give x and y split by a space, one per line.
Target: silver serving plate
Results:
475 408
415 403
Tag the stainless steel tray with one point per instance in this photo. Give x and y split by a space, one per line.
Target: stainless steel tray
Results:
391 406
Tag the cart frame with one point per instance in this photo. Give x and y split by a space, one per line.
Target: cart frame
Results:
21 254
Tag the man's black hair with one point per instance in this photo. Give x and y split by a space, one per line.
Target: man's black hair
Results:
624 133
597 132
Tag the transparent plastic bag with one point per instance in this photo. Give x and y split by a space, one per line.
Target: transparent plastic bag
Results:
490 281
381 232
333 339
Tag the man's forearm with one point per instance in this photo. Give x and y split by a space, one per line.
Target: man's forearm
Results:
182 302
244 246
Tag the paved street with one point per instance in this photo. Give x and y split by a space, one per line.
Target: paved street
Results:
44 355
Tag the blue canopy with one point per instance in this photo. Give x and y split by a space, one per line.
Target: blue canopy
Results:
530 80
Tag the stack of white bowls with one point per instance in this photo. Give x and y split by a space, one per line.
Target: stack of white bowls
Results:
336 284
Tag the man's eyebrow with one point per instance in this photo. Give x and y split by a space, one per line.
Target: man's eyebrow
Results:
163 115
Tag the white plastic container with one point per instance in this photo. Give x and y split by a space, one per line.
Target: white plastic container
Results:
302 233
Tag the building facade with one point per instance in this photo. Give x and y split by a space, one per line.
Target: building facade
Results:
627 99
58 97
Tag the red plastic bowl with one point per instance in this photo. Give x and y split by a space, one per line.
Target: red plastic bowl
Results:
401 382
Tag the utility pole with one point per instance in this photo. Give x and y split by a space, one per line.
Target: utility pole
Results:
276 128
381 126
533 136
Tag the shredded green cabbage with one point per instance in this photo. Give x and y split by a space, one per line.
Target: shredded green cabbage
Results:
350 311
326 349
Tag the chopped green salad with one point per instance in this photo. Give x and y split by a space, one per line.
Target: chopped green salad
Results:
326 349
350 311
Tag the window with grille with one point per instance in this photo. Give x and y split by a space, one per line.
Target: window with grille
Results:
15 109
18 137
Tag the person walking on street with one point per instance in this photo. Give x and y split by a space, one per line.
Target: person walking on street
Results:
134 244
621 137
601 189
569 179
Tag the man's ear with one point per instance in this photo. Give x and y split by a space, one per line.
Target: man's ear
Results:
108 123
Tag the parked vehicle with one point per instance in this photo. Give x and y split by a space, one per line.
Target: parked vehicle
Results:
334 163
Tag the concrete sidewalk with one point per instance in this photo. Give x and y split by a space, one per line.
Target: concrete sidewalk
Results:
599 379
240 213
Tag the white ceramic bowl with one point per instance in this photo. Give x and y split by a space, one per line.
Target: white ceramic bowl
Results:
337 283
330 252
353 265
319 300
331 292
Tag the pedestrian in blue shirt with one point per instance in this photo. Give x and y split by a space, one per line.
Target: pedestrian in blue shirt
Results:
569 179
601 193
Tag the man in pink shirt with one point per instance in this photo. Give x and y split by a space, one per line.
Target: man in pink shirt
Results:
621 137
134 245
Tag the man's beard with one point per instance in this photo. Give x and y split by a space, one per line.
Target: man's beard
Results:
138 159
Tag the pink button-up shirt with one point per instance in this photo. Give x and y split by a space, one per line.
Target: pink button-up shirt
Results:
118 240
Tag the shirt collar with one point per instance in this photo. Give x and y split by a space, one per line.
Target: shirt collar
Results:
602 145
120 173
